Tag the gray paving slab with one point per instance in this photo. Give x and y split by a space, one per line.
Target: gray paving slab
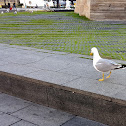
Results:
23 49
91 85
43 116
7 120
78 121
36 115
2 62
10 104
12 49
80 69
61 68
3 47
49 64
17 69
51 76
35 53
23 58
120 95
4 54
23 123
118 77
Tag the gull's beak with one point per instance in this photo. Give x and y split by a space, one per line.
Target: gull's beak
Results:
91 54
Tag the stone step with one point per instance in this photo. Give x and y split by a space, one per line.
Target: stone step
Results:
93 106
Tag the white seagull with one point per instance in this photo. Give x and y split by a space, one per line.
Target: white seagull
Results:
15 12
2 12
104 65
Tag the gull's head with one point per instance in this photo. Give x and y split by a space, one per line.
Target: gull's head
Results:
93 50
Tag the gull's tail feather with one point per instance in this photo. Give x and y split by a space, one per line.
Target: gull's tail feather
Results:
123 66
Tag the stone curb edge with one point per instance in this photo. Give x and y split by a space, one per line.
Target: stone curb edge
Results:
89 105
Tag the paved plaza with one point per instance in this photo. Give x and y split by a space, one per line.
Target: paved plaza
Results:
65 69
18 112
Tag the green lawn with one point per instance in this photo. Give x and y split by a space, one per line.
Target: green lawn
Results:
64 31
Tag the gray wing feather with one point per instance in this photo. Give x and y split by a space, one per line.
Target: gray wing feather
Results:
105 65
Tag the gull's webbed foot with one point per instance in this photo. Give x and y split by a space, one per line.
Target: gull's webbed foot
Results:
109 75
102 78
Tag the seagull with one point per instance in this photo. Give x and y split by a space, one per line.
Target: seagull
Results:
15 12
31 11
2 12
104 65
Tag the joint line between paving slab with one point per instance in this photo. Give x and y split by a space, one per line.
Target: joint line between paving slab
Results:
10 113
71 80
68 120
25 121
33 61
64 68
15 122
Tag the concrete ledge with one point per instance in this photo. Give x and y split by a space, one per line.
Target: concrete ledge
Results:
96 107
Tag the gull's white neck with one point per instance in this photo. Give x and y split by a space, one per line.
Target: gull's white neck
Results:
96 57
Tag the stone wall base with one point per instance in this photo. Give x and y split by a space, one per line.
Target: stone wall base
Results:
101 9
93 106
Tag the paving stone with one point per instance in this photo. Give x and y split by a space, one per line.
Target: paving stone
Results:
10 104
80 69
36 54
23 59
90 85
78 121
4 54
120 95
118 77
3 47
6 120
41 53
49 64
51 76
23 123
43 116
12 49
17 69
3 63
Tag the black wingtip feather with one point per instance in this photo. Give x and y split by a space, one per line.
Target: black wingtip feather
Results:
123 66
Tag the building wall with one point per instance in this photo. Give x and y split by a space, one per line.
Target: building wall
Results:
83 8
102 9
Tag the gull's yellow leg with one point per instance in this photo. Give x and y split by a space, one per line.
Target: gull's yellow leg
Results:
109 75
102 78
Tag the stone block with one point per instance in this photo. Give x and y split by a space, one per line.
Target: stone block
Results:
102 9
107 112
9 104
90 105
71 101
7 120
78 121
24 88
43 116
